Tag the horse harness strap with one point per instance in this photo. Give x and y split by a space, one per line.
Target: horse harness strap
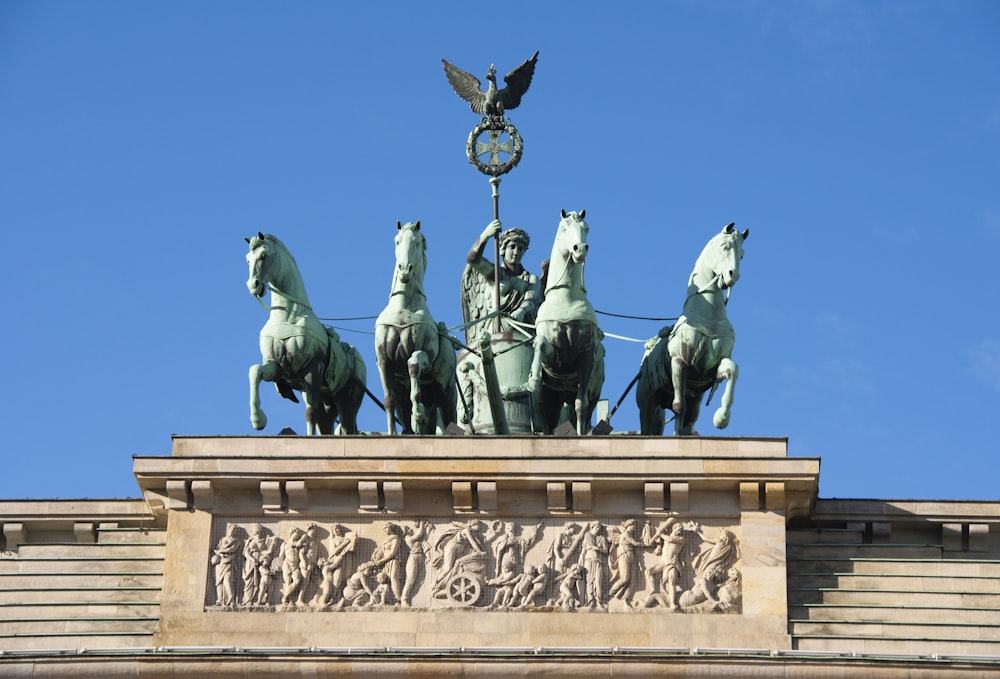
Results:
289 297
566 286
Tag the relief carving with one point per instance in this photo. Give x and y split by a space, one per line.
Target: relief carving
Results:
670 566
335 566
258 553
416 540
224 559
386 563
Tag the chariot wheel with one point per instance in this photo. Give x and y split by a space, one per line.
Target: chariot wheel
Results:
464 590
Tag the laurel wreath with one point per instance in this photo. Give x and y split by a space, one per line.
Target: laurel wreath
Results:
501 125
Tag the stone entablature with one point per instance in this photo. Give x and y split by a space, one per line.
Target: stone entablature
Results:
577 541
893 588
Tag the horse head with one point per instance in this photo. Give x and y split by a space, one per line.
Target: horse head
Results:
263 261
722 257
571 237
569 249
411 257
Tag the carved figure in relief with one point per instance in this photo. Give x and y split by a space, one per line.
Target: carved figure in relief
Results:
333 568
505 583
457 545
663 576
564 546
530 585
357 591
255 544
731 590
711 567
224 558
290 556
388 557
594 549
623 556
308 560
569 586
416 539
265 566
380 596
509 548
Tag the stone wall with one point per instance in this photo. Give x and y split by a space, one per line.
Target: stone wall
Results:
499 556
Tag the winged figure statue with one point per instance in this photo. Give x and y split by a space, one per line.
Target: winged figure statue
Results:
492 102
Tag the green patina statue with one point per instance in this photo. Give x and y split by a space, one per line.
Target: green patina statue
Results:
416 358
519 288
696 354
568 363
299 353
494 380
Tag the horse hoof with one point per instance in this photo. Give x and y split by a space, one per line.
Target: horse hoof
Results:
258 421
720 419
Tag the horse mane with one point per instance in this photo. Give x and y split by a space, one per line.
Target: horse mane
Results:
544 279
265 238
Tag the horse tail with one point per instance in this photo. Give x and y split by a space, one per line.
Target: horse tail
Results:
359 371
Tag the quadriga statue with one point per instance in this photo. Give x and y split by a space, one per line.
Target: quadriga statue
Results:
694 355
299 353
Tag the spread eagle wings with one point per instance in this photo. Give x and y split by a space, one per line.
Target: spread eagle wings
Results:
492 101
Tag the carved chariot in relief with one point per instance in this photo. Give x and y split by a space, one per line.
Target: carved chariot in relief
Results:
616 565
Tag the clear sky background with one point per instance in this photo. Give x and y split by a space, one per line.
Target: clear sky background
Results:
140 143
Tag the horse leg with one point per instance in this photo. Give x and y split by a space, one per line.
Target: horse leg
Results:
312 397
543 352
347 403
678 377
728 371
651 417
584 369
418 364
266 372
350 398
388 402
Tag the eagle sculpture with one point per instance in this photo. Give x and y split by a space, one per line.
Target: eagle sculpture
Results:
492 102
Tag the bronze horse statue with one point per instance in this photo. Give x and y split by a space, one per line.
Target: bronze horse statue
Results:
298 352
416 358
568 363
696 355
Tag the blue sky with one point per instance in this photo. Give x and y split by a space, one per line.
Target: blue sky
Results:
858 141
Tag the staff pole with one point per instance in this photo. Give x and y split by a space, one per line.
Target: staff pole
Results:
495 183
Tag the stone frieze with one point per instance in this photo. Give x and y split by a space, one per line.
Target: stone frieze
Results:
620 564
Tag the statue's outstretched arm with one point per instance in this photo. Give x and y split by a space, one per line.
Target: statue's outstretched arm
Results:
475 258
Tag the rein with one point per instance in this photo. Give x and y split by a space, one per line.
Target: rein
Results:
567 265
708 288
274 289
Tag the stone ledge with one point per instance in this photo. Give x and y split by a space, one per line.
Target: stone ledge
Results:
404 447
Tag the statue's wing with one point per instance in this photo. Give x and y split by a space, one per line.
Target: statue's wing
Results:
518 82
476 291
467 86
